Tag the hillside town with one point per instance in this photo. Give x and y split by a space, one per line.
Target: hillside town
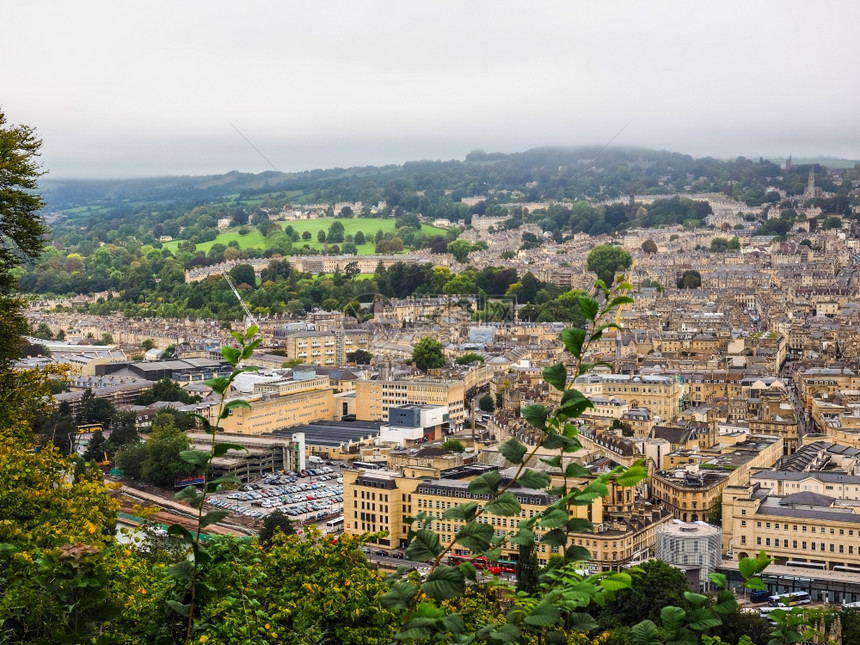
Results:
740 392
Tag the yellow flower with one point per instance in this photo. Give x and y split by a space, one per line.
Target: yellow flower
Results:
204 638
274 634
267 626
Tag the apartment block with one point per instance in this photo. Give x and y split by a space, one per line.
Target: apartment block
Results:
374 399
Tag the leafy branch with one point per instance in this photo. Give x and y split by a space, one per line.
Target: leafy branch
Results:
557 432
188 570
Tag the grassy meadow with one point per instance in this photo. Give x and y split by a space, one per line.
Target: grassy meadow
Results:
254 239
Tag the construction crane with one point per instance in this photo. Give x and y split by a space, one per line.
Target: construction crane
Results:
249 317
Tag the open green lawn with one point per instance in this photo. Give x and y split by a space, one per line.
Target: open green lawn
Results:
254 239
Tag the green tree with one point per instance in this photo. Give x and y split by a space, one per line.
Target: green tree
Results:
606 260
427 354
244 274
453 445
469 358
335 232
166 389
22 229
649 246
43 331
162 465
352 270
124 429
691 279
527 569
93 409
486 403
460 249
359 357
715 515
321 236
306 235
275 521
96 448
359 238
660 585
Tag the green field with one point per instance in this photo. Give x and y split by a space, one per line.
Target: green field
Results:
254 239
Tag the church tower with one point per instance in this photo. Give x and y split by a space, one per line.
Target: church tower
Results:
810 186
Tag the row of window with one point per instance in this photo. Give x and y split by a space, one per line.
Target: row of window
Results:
813 546
821 529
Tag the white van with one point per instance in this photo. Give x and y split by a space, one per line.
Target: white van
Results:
313 459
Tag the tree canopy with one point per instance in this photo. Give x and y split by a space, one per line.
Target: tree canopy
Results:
427 354
606 260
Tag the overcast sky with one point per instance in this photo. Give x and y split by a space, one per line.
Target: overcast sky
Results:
122 89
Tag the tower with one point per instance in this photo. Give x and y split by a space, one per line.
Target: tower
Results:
810 186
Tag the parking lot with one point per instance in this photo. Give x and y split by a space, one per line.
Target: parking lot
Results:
312 495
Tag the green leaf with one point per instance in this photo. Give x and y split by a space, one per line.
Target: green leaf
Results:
579 525
616 581
399 596
557 637
465 512
505 504
589 307
219 384
178 607
598 333
644 633
672 618
555 462
718 579
179 530
444 582
554 518
417 628
577 470
523 537
755 583
556 375
180 570
485 484
513 451
475 536
195 457
213 517
749 567
6 548
556 537
619 300
576 553
632 476
695 599
469 571
223 448
573 339
544 614
534 479
191 495
231 354
552 441
594 490
726 603
702 620
536 415
574 403
580 622
213 484
231 405
424 547
508 633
